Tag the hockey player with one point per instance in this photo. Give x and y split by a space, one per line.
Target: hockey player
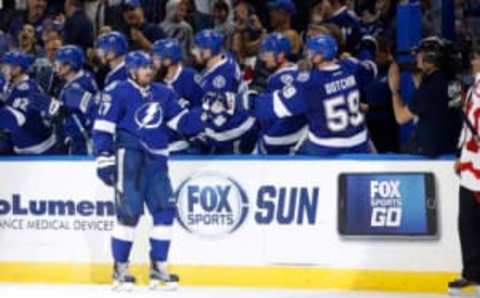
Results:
279 136
111 48
328 95
226 132
26 109
78 98
167 58
131 138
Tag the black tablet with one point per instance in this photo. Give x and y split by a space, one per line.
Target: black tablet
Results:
387 204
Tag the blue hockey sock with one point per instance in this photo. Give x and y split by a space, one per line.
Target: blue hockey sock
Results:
122 241
161 235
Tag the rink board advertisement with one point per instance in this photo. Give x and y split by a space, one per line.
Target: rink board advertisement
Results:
308 223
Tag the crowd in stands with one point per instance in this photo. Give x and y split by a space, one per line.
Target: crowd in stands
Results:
36 33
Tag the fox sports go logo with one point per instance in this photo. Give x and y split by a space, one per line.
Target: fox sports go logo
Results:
211 205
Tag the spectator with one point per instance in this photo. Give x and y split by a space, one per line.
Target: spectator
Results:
155 10
281 12
51 30
249 32
383 128
27 41
337 12
371 18
197 19
223 21
43 67
78 28
438 125
431 17
176 26
34 15
107 13
139 32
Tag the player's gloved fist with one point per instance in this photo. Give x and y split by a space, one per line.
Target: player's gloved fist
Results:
246 100
106 169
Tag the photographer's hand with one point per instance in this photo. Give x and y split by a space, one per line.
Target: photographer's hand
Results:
394 78
401 111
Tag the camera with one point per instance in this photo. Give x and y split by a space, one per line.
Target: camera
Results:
443 53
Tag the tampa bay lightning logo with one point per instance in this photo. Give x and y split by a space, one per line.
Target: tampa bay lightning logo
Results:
149 116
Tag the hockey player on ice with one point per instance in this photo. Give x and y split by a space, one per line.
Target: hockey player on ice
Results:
25 110
328 95
227 132
131 141
167 58
279 136
78 98
111 48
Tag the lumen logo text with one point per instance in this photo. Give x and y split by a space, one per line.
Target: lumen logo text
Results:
20 213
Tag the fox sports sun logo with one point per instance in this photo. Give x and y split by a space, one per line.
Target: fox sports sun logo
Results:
211 205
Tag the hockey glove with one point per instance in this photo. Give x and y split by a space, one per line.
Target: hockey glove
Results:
106 168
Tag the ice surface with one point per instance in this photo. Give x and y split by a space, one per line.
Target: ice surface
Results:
104 291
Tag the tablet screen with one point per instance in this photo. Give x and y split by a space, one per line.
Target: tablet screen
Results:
386 204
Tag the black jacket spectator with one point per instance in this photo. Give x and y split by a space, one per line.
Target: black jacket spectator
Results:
140 33
35 14
438 125
78 28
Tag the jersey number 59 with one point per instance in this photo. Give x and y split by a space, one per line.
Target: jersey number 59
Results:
342 111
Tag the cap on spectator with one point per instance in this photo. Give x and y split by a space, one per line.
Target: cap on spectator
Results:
129 4
286 5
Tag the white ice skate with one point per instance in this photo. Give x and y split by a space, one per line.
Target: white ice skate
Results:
161 279
122 279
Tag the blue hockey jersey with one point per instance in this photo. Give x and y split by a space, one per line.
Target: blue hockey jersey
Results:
227 133
350 26
365 70
186 84
119 73
280 136
134 117
330 100
78 96
25 116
